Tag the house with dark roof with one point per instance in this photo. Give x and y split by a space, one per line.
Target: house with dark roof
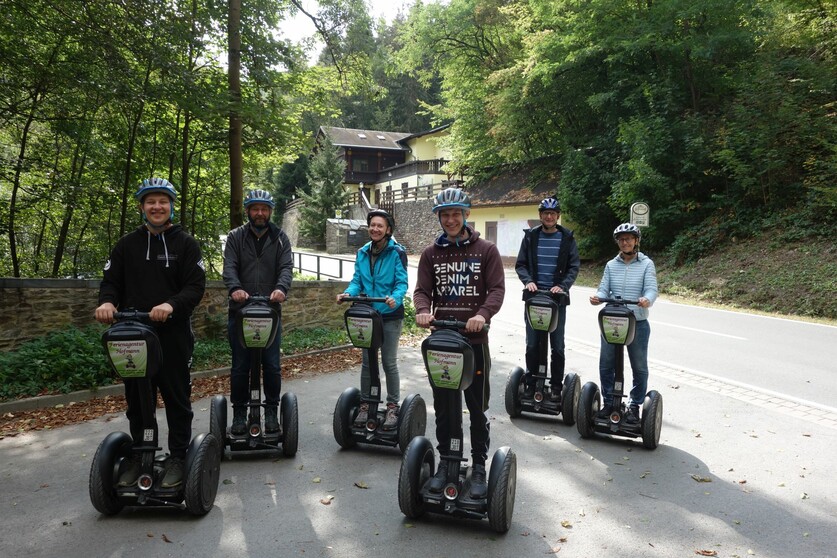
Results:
402 172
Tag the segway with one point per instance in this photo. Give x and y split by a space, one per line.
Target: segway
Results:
365 328
257 325
449 361
133 350
618 326
528 390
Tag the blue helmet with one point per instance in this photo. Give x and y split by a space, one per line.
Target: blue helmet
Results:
161 185
259 196
451 197
550 204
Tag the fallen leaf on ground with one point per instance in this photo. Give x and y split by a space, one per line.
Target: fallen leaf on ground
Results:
165 538
701 479
566 524
327 500
361 484
706 552
316 480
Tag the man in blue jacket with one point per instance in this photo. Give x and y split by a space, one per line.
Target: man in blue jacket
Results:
257 260
381 272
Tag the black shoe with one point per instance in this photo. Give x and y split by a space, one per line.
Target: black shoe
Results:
239 424
528 391
130 470
440 479
174 472
555 394
632 416
271 419
604 412
479 488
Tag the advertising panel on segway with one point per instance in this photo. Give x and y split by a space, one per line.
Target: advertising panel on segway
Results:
364 326
256 327
449 363
133 350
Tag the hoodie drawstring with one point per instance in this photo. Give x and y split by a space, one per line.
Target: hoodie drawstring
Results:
165 247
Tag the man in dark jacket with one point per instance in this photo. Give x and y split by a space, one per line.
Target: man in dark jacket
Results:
257 261
548 260
158 269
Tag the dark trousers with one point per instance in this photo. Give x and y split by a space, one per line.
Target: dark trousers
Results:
476 399
240 370
556 346
174 384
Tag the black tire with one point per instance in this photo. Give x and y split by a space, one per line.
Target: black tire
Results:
105 470
652 419
289 410
569 398
218 422
344 415
417 466
588 406
502 487
412 420
513 388
203 474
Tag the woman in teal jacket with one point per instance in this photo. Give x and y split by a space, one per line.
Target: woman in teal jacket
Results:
381 272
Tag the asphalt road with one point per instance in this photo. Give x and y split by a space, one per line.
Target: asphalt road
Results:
740 471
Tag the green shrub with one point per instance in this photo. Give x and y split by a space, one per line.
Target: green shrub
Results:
64 361
311 339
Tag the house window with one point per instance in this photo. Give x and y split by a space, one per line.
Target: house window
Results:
360 165
491 231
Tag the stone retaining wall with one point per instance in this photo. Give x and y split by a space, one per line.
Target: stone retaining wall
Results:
31 308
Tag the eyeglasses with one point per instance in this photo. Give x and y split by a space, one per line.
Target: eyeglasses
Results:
625 239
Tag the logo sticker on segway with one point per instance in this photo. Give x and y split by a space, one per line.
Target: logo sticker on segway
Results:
615 329
128 358
540 317
360 331
256 332
445 368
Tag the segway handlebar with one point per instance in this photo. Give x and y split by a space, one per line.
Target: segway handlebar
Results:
131 314
257 298
618 300
363 298
453 324
549 293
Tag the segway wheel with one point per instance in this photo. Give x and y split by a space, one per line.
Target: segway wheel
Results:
412 420
569 398
204 471
218 422
502 485
289 410
105 470
588 406
417 466
513 405
348 401
652 419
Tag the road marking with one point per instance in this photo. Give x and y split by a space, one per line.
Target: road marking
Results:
655 322
803 409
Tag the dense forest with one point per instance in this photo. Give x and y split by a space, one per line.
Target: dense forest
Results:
720 114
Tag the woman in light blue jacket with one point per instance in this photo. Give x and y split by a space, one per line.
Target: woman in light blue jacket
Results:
381 272
630 275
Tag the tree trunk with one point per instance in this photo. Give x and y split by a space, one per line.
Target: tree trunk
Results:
234 77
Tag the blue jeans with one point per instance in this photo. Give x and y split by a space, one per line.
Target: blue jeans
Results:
638 355
556 344
240 370
389 362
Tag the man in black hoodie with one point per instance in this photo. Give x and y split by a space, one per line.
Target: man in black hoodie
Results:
158 268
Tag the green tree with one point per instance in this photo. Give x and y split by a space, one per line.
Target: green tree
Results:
325 177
